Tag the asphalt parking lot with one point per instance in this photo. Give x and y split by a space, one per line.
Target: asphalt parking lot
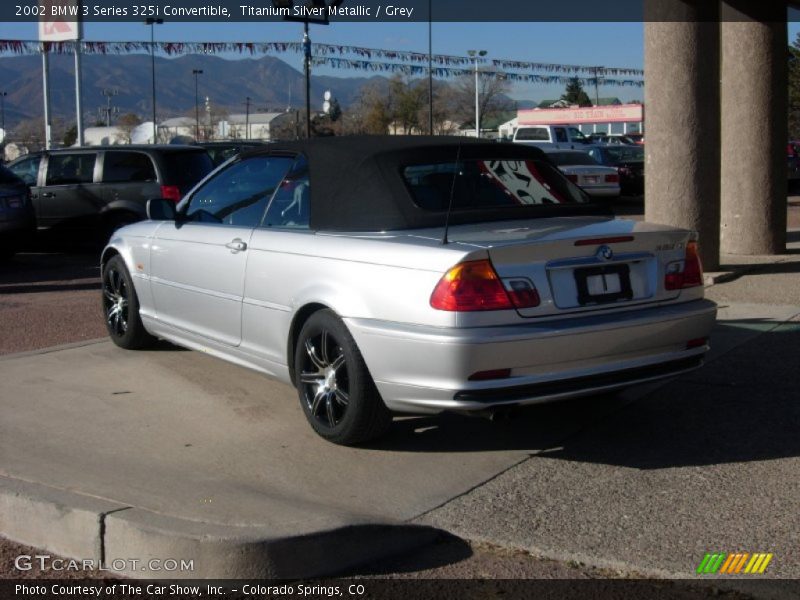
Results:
641 483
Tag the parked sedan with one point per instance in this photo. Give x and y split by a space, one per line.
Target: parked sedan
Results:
17 221
629 163
583 170
386 275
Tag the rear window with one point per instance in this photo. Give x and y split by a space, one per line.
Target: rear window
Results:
625 154
479 184
532 134
127 167
571 158
184 169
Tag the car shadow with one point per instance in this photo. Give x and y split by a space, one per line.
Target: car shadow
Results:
62 270
740 407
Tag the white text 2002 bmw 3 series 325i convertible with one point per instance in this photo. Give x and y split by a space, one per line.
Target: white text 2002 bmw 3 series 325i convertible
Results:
415 275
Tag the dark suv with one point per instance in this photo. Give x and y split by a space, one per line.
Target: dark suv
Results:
99 189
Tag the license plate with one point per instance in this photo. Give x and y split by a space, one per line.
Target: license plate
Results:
590 179
607 283
14 202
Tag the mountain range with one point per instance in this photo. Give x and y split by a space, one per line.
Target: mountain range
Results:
271 83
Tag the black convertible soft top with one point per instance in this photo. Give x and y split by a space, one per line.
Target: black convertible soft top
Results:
356 183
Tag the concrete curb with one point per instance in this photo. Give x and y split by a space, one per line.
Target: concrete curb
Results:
49 349
137 543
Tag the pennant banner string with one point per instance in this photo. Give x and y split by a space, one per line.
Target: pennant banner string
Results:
414 63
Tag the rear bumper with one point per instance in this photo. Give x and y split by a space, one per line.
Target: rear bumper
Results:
427 369
602 191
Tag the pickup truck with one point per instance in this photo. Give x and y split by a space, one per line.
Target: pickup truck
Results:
551 137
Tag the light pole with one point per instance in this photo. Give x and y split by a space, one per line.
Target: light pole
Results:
430 67
210 134
153 22
247 118
3 113
196 72
597 71
311 7
476 55
109 110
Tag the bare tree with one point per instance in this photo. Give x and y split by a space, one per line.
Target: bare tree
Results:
373 112
126 124
30 132
444 119
409 98
493 97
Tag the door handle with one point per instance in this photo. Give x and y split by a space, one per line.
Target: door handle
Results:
48 194
236 245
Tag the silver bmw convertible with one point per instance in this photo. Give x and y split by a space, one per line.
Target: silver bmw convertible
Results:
382 275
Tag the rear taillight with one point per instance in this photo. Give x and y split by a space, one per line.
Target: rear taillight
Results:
470 286
612 178
171 192
685 273
474 285
573 178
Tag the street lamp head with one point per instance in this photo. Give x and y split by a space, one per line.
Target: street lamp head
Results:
197 71
153 21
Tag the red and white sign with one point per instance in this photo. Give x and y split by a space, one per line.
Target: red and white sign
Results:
620 113
55 25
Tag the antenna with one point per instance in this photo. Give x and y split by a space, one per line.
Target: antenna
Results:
452 194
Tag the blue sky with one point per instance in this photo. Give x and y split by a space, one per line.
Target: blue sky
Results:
607 44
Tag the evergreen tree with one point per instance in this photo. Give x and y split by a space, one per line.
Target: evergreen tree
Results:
794 89
574 94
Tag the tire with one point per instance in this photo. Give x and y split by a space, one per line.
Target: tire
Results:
336 391
121 307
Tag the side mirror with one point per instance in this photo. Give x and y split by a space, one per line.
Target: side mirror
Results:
159 209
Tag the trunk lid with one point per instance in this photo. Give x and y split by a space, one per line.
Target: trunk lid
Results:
581 264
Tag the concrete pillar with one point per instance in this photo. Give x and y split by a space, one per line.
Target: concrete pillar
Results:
754 127
681 62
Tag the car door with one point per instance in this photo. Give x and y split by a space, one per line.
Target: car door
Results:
561 140
129 179
70 197
198 261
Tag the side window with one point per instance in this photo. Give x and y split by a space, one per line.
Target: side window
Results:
577 135
127 166
561 134
27 169
239 194
66 169
291 207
